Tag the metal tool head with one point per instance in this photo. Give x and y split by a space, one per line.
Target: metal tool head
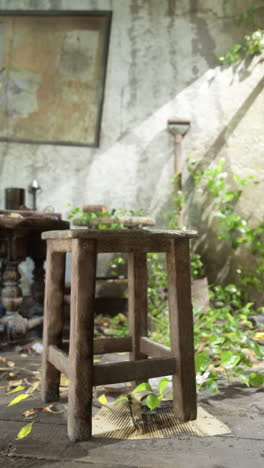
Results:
178 126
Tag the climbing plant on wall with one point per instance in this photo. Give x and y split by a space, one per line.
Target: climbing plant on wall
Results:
253 43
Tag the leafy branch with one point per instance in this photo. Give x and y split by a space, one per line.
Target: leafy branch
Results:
252 44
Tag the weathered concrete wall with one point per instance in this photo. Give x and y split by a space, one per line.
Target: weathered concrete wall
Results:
162 63
241 144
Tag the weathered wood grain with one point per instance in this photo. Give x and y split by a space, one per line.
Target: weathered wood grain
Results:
130 245
59 359
128 234
137 301
112 345
108 345
181 330
153 349
81 339
32 223
133 370
116 240
60 245
53 321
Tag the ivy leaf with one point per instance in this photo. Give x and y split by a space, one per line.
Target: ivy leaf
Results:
244 379
202 361
163 384
25 431
231 288
145 386
212 386
19 398
258 350
216 340
152 401
255 379
230 360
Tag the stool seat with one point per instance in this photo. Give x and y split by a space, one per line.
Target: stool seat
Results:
147 358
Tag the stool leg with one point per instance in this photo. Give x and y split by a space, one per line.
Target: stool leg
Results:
81 340
181 330
137 301
53 321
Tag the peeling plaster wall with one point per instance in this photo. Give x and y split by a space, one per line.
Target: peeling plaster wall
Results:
162 63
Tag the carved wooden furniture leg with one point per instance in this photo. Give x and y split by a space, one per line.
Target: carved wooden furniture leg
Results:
12 299
38 285
137 301
181 329
81 339
53 321
11 293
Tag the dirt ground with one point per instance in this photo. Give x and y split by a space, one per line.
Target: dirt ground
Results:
241 408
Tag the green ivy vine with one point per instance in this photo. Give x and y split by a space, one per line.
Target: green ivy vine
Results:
252 44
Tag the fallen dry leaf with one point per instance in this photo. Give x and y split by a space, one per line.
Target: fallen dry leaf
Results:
64 381
17 389
19 398
257 365
25 431
52 409
111 390
250 354
103 400
14 383
30 413
10 363
259 336
34 387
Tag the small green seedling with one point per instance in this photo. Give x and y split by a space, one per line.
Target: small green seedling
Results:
152 398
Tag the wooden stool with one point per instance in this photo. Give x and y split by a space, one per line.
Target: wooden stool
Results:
83 374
